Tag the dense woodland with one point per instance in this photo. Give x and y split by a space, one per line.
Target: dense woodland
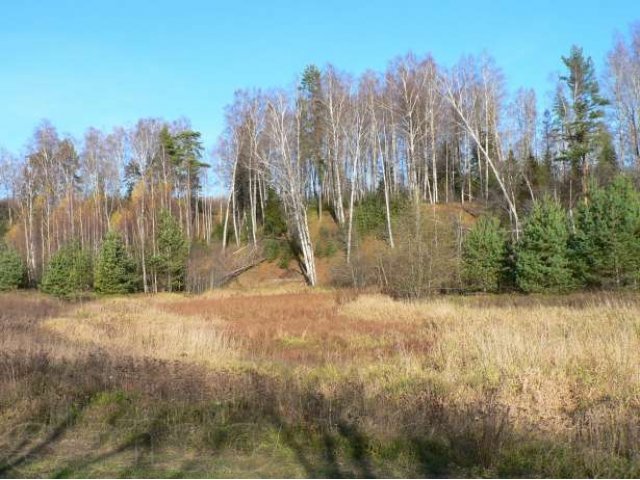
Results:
554 193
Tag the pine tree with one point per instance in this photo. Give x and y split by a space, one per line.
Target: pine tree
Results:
582 242
483 253
185 150
579 114
542 260
69 272
114 271
605 248
173 251
12 269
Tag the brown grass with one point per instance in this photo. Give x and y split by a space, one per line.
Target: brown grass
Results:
304 328
135 327
325 383
563 366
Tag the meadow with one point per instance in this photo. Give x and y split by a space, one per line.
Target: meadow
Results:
294 382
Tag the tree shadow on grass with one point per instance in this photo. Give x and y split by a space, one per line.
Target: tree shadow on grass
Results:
13 462
190 410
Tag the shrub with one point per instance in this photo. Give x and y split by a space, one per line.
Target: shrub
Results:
285 258
424 262
362 271
12 269
271 250
327 243
115 271
279 250
370 213
69 272
483 254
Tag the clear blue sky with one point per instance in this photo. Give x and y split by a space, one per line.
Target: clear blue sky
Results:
103 63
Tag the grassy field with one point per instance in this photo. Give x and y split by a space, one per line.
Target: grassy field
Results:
325 383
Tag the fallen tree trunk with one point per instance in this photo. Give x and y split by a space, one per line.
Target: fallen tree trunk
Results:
231 275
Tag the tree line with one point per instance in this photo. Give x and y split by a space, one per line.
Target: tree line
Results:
417 133
128 182
431 134
598 248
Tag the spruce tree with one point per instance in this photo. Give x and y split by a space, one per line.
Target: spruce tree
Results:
12 269
483 253
114 271
542 260
69 272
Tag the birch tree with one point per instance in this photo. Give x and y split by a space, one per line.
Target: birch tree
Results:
287 174
460 89
623 75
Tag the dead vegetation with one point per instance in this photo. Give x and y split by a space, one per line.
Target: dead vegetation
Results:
330 383
133 327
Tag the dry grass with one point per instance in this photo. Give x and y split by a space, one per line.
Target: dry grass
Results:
563 367
547 362
133 326
305 328
322 383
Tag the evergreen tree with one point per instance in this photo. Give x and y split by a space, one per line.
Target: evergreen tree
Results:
114 271
578 112
185 150
275 223
606 158
173 251
69 272
311 104
12 269
542 260
582 242
605 248
483 253
548 153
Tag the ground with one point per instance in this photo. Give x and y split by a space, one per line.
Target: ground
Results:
286 381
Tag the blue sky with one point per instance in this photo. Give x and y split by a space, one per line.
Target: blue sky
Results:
105 63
